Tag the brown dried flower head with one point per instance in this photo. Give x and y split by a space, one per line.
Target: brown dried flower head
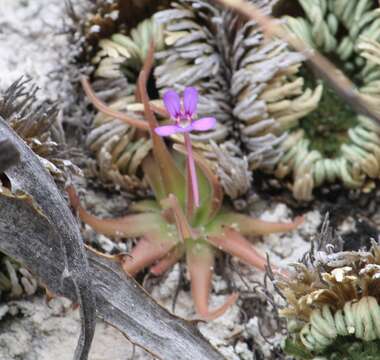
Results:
331 298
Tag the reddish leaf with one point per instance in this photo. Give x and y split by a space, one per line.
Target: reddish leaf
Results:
168 261
200 262
152 247
128 226
235 244
248 225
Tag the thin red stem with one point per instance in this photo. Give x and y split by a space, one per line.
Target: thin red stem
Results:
193 193
104 108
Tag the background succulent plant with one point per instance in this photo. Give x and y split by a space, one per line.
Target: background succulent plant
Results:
38 123
15 280
331 142
117 35
249 83
333 303
197 44
271 108
118 62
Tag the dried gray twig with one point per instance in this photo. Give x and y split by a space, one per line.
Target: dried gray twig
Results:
29 178
38 229
8 155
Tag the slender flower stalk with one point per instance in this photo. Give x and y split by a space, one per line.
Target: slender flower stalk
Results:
192 181
184 123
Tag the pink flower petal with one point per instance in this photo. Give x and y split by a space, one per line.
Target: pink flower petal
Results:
204 124
172 103
190 101
186 129
181 130
167 130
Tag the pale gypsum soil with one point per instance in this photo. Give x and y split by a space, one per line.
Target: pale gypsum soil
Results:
30 44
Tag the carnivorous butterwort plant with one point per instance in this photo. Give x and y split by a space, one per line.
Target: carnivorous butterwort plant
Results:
171 226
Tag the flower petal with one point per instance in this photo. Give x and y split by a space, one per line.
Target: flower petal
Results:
204 124
185 129
167 130
172 103
190 100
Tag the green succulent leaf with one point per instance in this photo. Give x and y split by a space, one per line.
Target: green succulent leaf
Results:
145 206
153 175
343 348
296 349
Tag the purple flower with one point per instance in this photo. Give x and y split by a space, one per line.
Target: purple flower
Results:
184 123
183 116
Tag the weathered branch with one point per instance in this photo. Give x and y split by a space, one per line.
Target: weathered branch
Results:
124 304
30 177
8 154
31 231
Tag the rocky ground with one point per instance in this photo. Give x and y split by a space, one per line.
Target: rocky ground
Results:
32 44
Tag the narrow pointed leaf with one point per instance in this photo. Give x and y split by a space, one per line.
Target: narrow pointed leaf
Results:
168 261
248 225
183 227
200 262
153 175
127 226
235 244
152 247
173 179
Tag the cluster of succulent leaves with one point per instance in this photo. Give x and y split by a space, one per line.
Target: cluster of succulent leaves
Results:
171 226
343 348
326 127
5 277
327 143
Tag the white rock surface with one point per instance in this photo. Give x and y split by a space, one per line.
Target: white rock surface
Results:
29 41
41 332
